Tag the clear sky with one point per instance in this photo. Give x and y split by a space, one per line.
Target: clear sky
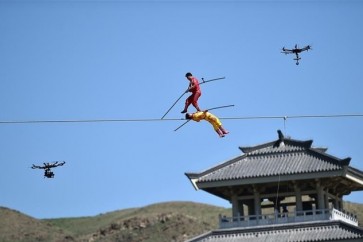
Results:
82 60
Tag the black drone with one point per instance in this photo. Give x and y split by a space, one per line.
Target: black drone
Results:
296 51
47 166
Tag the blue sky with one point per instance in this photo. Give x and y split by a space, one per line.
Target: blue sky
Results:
81 60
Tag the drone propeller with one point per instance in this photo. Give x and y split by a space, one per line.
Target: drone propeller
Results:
308 47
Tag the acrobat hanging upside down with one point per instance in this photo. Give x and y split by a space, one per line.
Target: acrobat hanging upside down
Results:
212 119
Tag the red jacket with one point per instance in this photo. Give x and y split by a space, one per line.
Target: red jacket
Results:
195 83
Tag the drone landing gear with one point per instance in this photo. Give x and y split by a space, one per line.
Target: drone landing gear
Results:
297 60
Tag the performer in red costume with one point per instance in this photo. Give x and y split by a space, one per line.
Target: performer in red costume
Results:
195 90
212 119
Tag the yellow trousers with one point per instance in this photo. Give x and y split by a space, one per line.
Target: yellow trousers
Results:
212 119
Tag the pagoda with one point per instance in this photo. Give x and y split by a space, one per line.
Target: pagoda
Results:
284 190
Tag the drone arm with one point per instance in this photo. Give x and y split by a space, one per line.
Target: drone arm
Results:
57 163
286 51
35 167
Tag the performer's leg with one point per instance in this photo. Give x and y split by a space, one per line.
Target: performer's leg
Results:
216 127
188 101
195 100
220 133
223 130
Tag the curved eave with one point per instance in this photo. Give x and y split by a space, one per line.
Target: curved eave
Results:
193 177
355 175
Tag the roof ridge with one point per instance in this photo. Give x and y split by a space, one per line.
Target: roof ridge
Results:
276 152
276 144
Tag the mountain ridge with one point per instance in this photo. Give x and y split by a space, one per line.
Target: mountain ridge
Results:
167 221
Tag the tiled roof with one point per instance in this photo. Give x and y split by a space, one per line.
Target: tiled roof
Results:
272 164
280 157
312 231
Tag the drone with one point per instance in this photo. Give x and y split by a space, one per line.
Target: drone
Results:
47 166
296 51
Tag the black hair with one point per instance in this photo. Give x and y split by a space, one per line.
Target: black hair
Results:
188 74
187 116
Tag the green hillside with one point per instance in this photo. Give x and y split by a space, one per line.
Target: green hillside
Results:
171 221
15 226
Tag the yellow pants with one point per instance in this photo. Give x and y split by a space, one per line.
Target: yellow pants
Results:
212 119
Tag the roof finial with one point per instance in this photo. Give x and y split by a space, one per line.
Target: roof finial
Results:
281 138
281 135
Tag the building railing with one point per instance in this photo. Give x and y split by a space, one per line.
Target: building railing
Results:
344 216
288 217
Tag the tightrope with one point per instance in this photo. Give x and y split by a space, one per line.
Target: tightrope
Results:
285 117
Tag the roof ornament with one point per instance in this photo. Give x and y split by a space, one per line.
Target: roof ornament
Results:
280 142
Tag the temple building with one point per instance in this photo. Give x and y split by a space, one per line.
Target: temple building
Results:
284 190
